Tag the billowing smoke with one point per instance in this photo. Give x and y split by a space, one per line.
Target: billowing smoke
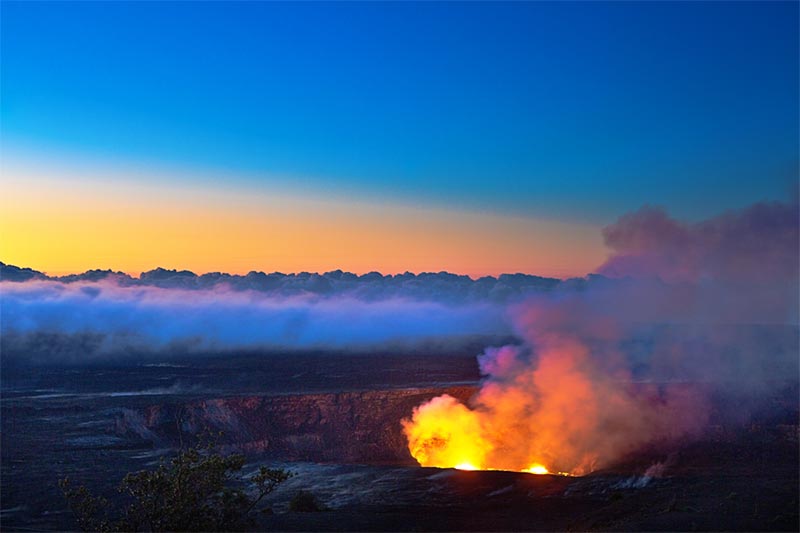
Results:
84 321
607 366
757 246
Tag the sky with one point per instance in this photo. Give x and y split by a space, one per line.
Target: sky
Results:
476 138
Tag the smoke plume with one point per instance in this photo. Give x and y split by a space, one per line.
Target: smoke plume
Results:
607 366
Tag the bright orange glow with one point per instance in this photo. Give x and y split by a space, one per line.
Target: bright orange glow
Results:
446 434
68 224
518 425
537 469
558 414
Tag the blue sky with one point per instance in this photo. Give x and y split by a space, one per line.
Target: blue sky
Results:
571 110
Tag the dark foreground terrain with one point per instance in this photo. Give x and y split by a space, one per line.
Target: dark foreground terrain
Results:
334 420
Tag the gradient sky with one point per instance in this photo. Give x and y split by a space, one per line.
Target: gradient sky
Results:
476 138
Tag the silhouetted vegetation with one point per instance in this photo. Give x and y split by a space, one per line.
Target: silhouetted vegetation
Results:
305 502
197 490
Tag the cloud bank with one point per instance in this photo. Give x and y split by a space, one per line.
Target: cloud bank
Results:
103 315
434 286
81 321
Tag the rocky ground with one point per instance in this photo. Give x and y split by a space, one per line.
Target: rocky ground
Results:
334 421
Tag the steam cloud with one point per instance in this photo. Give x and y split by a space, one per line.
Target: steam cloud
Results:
603 371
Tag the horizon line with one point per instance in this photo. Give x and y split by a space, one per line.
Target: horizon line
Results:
138 275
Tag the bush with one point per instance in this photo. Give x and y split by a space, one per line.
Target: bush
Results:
305 502
197 490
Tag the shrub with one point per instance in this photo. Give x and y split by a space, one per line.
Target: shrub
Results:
197 490
305 502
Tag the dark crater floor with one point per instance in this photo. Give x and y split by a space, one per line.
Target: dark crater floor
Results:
333 420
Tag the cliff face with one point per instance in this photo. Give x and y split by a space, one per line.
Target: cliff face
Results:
347 427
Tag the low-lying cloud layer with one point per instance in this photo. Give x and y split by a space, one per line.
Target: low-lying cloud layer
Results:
434 286
85 321
103 315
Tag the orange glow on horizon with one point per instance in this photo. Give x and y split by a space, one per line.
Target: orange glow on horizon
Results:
60 226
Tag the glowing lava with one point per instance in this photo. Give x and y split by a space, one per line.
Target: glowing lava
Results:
537 469
444 433
558 415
